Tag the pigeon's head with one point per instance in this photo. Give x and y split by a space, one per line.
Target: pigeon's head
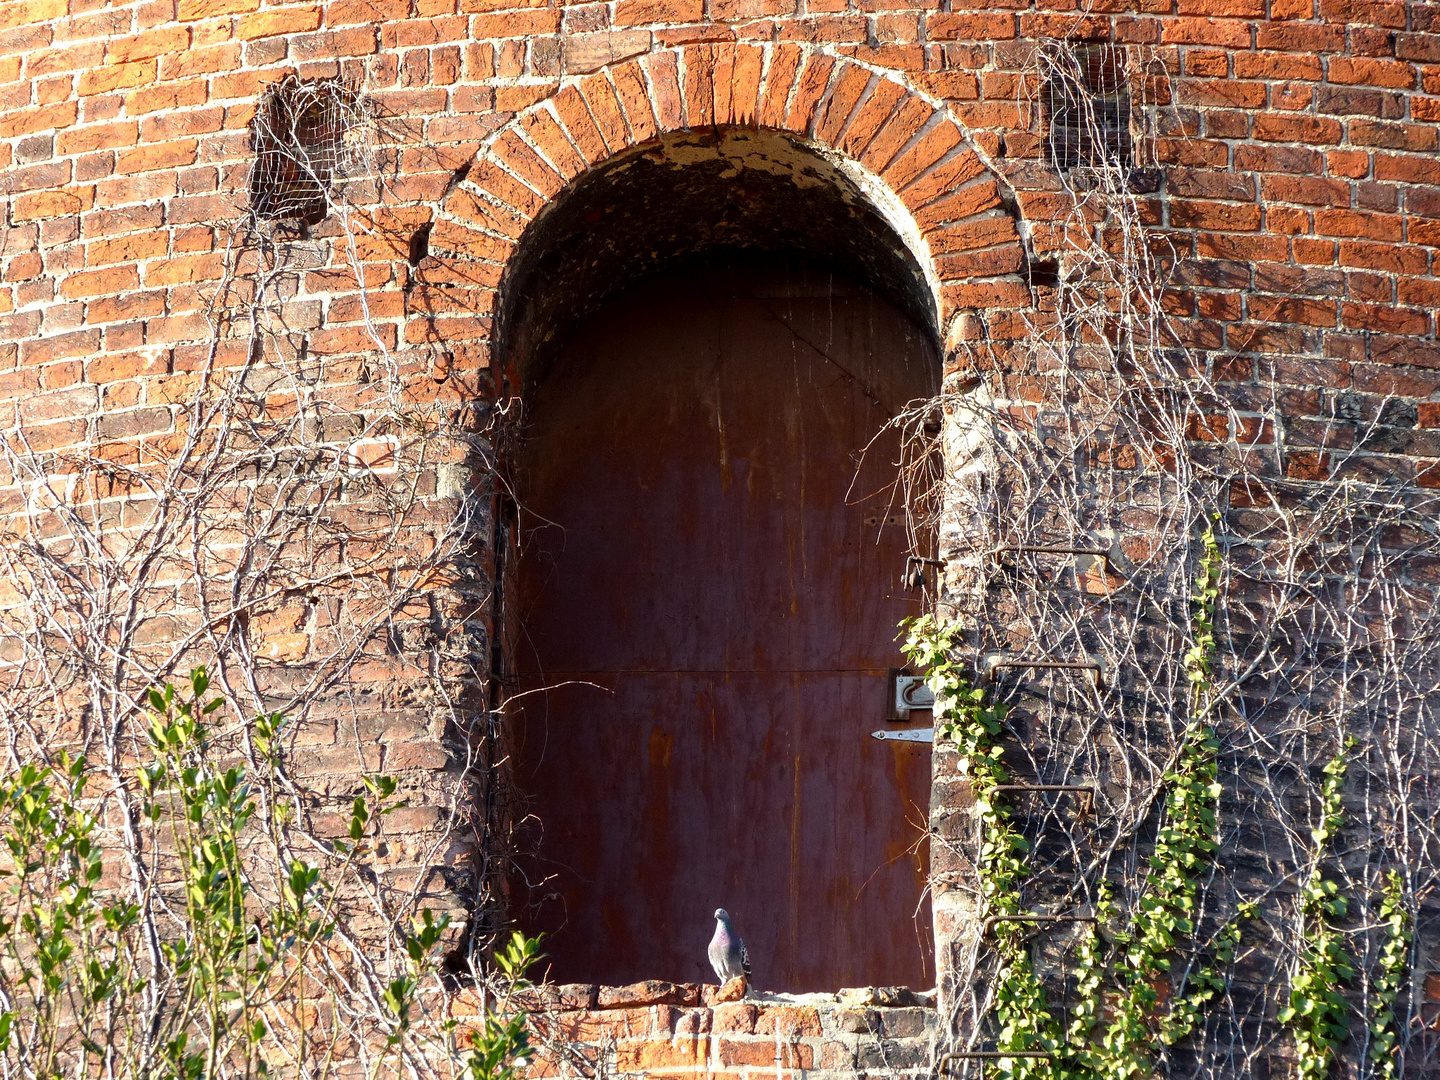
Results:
722 915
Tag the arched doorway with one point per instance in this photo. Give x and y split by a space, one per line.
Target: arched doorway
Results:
703 618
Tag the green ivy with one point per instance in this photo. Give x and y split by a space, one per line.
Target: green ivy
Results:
1390 982
1317 1012
964 718
501 1050
59 934
1118 1020
1165 912
78 991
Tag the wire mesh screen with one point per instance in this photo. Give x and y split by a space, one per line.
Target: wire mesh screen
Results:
1087 108
299 135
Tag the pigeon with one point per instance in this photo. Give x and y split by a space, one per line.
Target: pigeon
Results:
727 951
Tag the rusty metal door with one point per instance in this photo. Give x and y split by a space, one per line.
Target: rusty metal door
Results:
710 588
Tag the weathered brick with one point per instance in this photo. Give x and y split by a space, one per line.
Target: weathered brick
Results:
129 247
787 1021
196 10
277 21
59 115
972 26
1343 223
103 282
765 1053
642 993
644 12
635 99
1311 130
810 86
662 70
587 1026
1198 31
165 155
50 204
31 11
153 43
582 53
46 350
78 401
605 110
102 80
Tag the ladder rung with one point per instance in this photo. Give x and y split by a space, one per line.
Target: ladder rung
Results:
995 663
1078 789
991 920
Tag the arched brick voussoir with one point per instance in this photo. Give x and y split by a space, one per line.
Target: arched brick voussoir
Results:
544 132
491 180
832 115
745 85
455 240
574 114
605 110
811 83
955 172
630 86
984 262
989 229
722 72
869 119
907 122
916 156
697 85
936 139
663 71
470 204
784 67
964 202
520 158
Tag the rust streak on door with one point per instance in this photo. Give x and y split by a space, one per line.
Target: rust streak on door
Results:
712 580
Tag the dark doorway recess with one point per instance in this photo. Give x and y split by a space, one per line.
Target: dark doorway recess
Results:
709 584
679 198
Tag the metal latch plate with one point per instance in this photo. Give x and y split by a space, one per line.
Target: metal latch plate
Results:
921 735
912 693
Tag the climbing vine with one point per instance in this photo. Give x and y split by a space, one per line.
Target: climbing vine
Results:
246 968
965 719
1101 427
1317 1011
1123 960
1389 982
1166 908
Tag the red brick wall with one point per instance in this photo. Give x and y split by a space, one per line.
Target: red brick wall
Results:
1299 144
660 1029
1306 143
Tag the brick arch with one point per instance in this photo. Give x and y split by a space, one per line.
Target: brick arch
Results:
911 158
